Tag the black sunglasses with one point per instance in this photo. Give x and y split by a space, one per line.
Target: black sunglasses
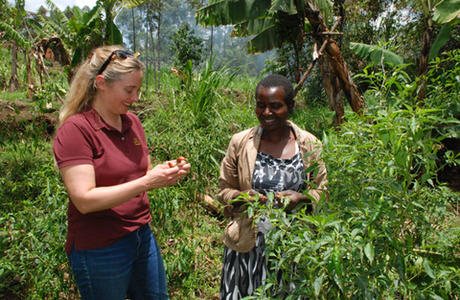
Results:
123 54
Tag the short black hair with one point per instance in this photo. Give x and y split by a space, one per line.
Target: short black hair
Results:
275 80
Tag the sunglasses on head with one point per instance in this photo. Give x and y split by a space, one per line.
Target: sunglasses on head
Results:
122 54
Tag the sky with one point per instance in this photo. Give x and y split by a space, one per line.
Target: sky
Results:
33 5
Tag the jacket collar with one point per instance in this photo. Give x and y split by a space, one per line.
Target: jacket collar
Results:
257 131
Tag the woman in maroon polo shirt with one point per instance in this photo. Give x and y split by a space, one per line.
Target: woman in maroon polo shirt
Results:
102 154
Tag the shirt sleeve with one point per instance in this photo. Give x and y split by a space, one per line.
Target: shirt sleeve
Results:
71 147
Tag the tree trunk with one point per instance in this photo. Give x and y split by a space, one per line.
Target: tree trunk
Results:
336 62
154 59
331 85
147 60
423 63
159 48
210 46
134 29
30 79
108 25
14 83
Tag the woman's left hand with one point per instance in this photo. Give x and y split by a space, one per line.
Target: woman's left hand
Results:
294 198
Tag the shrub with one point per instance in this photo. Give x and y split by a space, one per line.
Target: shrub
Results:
388 229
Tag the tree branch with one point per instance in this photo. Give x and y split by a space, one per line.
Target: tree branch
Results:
312 64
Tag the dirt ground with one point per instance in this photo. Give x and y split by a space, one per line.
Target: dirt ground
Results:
16 115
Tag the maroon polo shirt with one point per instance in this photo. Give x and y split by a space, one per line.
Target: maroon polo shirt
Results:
117 157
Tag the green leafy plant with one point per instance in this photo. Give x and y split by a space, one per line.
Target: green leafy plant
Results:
202 91
388 230
186 46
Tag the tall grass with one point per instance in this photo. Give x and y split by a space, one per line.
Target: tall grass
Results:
202 91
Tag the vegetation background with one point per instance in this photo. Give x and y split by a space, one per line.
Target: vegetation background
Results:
390 228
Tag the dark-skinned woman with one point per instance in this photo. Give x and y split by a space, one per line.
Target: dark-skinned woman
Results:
269 158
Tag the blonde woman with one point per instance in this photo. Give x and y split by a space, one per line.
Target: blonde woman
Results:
101 151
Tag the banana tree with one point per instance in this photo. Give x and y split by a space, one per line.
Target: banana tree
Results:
270 23
447 14
13 25
83 31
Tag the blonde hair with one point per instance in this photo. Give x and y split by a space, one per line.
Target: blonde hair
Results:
83 85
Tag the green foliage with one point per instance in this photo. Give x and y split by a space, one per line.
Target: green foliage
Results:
446 11
189 237
83 31
33 264
389 229
4 76
49 96
376 54
224 12
442 38
443 89
385 86
14 24
186 46
33 218
13 35
202 91
268 24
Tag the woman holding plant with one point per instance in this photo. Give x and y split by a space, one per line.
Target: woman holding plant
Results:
101 151
270 158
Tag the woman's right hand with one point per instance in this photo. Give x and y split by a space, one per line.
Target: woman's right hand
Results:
166 174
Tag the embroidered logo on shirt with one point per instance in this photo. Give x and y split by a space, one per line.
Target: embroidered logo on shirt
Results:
136 141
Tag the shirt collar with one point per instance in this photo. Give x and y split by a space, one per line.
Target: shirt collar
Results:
98 123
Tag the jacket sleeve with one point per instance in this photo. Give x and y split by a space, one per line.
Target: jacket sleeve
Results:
229 187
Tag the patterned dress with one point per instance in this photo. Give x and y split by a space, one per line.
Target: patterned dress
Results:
242 273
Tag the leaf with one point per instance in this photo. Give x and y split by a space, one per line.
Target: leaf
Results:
254 26
428 269
317 284
363 283
133 3
446 11
413 125
264 41
116 37
401 266
227 12
441 39
283 5
369 251
299 255
376 54
13 35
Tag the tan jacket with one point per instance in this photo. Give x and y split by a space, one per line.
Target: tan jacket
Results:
238 164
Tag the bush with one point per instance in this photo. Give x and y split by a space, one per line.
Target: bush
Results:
388 229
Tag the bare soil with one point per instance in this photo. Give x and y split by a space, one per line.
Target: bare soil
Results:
16 116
